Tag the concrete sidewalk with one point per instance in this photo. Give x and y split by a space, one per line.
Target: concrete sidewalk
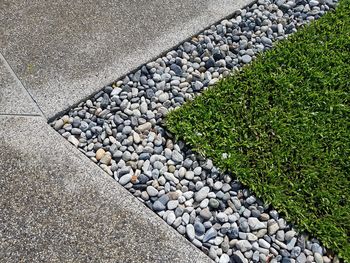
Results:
63 51
55 204
58 206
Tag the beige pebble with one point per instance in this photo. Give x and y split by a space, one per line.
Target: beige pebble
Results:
106 159
99 154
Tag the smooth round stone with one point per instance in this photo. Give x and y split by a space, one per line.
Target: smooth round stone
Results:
280 235
204 203
289 235
266 41
264 244
125 179
99 154
272 229
247 213
189 175
202 194
172 204
248 254
222 217
127 130
205 214
226 187
177 222
243 245
163 97
179 211
186 218
171 168
251 237
224 258
217 185
164 199
264 217
246 59
213 203
106 159
190 231
251 200
237 204
188 195
197 171
170 219
199 228
176 156
212 253
301 258
181 229
182 172
75 131
126 156
256 213
316 248
152 191
58 124
210 234
158 206
318 257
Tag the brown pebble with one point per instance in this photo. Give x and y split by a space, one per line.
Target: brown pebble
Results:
173 195
133 179
264 217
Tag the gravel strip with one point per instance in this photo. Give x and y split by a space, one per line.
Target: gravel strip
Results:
120 130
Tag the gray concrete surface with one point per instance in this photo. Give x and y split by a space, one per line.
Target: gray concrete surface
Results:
63 51
57 206
14 99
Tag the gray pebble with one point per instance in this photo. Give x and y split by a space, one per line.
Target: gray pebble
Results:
210 234
205 214
213 203
152 191
176 157
246 59
190 231
199 228
172 204
125 179
243 245
202 194
158 206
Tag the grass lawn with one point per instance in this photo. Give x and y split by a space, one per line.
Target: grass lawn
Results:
282 127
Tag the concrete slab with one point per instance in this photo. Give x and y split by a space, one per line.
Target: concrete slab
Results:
14 99
63 51
57 206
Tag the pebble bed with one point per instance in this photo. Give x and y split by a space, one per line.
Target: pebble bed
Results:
120 129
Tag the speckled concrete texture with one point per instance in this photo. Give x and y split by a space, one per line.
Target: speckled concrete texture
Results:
57 206
63 51
14 99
